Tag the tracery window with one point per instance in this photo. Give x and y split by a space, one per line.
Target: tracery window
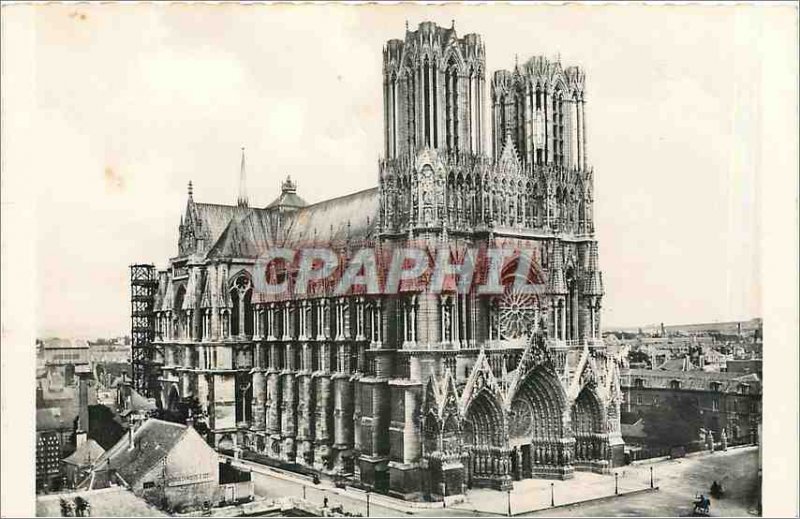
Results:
409 321
558 129
451 105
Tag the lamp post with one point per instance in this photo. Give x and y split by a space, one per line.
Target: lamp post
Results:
616 483
367 503
552 495
304 492
509 502
651 477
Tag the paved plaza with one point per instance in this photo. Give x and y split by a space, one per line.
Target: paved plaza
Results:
536 494
678 482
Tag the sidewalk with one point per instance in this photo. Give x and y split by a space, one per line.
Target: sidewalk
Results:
531 495
408 507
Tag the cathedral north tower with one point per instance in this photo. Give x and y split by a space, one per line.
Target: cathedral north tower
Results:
434 91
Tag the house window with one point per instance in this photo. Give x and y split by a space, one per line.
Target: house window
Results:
639 399
715 386
715 405
638 383
744 389
655 400
148 484
675 384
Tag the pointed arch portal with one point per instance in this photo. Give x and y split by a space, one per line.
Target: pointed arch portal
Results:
590 436
485 436
539 437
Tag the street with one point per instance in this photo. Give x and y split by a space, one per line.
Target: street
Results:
679 482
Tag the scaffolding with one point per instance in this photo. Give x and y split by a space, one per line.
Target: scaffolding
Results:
143 356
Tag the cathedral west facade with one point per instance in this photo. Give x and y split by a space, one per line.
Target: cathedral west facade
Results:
416 393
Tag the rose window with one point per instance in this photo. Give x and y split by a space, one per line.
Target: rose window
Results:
517 315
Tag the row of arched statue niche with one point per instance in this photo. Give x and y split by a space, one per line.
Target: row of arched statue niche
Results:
466 201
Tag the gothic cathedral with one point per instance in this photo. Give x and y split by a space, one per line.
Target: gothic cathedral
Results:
417 394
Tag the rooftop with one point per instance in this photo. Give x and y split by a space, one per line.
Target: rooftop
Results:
106 502
86 454
692 380
152 441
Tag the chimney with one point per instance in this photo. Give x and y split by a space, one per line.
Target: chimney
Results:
83 372
80 439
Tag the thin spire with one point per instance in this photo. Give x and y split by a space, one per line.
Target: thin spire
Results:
190 190
242 200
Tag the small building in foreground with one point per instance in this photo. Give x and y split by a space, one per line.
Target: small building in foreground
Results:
170 466
167 464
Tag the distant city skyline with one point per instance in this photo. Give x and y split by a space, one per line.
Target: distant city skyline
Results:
171 95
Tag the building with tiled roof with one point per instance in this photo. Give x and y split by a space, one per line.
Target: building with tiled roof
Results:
344 383
167 464
77 465
727 401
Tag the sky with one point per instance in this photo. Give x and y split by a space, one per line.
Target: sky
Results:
126 103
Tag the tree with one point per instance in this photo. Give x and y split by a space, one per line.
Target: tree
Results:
198 416
676 422
67 508
81 507
637 356
188 407
104 427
